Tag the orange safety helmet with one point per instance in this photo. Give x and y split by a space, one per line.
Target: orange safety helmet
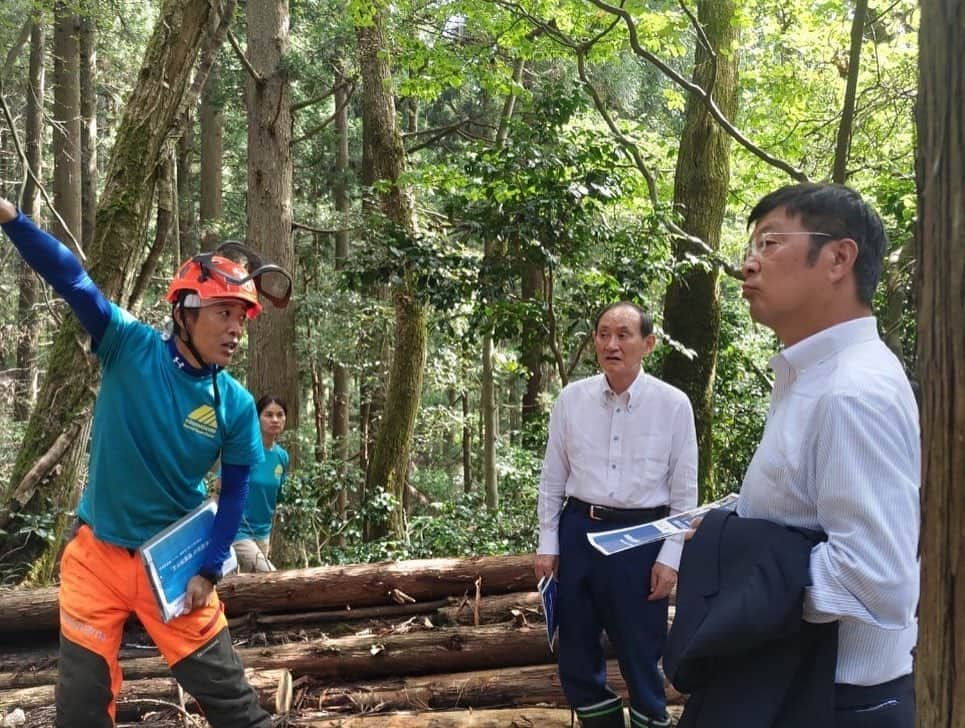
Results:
213 276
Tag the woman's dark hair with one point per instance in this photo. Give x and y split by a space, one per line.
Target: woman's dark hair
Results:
271 399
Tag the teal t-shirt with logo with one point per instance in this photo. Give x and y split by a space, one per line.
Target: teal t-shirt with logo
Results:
264 487
156 434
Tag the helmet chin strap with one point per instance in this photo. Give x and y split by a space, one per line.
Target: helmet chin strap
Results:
185 335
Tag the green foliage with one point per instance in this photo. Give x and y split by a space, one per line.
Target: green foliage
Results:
446 524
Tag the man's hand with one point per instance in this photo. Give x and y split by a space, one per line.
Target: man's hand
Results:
694 525
662 580
7 211
545 565
198 593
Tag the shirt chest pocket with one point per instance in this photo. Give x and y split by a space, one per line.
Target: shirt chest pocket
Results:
648 459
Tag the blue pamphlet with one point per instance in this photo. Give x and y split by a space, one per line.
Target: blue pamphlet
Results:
175 555
621 539
548 594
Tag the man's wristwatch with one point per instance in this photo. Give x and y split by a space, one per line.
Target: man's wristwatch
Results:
211 576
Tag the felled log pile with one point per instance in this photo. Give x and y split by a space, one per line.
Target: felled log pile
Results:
441 642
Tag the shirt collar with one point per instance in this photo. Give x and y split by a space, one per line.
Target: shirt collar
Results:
825 344
183 364
633 393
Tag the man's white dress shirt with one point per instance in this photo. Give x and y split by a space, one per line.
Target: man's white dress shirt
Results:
633 450
841 453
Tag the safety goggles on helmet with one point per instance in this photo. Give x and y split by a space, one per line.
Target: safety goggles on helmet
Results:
271 281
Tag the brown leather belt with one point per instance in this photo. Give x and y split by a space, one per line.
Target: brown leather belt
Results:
626 516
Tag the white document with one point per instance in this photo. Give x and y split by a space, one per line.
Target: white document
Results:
628 537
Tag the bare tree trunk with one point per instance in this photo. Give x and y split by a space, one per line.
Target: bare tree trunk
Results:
940 677
384 161
341 380
487 403
67 147
466 444
318 400
167 205
30 323
155 104
212 152
87 34
533 343
692 306
188 238
487 406
843 143
271 347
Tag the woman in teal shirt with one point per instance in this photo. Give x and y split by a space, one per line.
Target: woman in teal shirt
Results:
253 541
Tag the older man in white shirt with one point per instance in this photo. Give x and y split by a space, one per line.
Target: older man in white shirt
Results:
622 450
840 452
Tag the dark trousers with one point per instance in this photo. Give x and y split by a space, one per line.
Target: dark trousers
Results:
597 593
888 705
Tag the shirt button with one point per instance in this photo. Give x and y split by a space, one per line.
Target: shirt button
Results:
618 409
616 437
613 467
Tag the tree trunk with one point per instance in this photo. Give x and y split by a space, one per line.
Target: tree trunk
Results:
465 718
533 343
271 348
940 669
318 588
167 205
341 381
212 153
384 162
62 487
318 402
66 129
155 104
842 146
692 307
188 237
466 444
27 376
133 692
87 38
487 405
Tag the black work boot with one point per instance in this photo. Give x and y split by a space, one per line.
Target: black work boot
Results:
607 714
639 720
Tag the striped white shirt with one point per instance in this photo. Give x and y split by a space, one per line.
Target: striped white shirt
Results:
841 453
637 449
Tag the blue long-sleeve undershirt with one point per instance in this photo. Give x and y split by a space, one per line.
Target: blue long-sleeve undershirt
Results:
57 265
231 508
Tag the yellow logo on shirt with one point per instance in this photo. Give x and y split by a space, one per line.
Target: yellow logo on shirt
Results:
202 420
278 471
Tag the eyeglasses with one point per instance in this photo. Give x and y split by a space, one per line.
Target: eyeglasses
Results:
271 281
758 246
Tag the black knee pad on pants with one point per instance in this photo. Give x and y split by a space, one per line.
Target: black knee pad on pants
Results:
83 691
214 676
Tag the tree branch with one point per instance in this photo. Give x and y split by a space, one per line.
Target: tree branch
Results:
244 59
321 97
705 42
29 171
44 464
16 48
338 109
699 93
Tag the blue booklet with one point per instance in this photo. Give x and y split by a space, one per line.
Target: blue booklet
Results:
621 539
548 589
175 555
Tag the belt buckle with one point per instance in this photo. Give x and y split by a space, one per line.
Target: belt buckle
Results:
593 516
